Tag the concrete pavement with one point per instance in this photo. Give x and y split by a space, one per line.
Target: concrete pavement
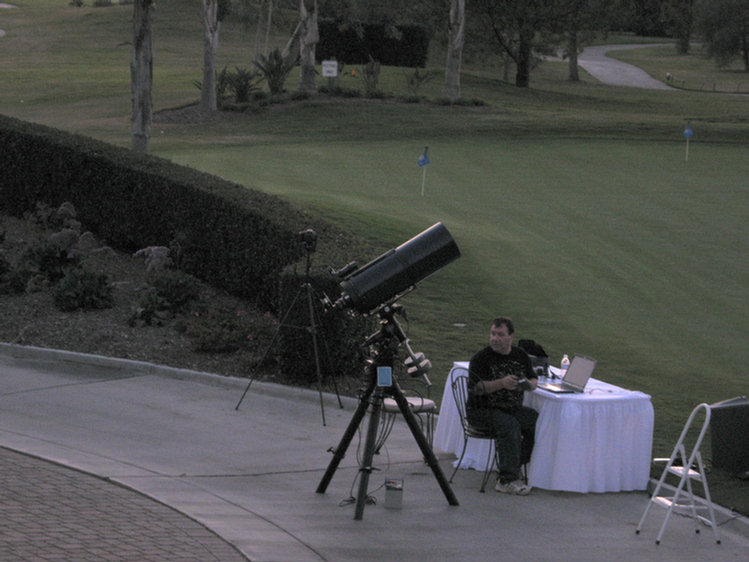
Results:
614 72
250 476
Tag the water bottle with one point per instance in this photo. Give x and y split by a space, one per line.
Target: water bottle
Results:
565 364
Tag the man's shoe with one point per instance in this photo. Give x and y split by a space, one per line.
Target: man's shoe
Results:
516 488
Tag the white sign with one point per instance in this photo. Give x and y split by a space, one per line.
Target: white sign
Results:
329 68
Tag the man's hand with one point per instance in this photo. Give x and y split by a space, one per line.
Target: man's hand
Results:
510 382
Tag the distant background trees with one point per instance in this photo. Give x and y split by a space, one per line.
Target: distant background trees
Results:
724 27
521 31
518 32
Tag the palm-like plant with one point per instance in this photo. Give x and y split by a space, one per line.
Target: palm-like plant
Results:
275 68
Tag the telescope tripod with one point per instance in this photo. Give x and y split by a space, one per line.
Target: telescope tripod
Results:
384 344
312 328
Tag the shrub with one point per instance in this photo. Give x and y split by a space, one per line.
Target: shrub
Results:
470 102
275 69
412 99
149 311
169 291
242 82
300 96
82 289
342 92
17 280
175 288
49 260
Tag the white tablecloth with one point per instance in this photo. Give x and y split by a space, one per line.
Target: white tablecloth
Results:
598 441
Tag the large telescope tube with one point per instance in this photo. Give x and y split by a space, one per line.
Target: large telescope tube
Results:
399 270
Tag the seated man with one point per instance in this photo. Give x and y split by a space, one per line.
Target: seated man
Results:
495 403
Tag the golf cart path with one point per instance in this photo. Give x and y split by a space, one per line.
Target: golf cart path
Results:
616 73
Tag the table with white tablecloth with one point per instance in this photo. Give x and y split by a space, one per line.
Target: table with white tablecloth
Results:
596 441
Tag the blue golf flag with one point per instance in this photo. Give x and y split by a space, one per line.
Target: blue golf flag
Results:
423 159
688 132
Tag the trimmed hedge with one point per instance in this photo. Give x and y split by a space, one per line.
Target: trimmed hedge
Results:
230 236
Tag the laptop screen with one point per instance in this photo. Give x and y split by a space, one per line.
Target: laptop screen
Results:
580 370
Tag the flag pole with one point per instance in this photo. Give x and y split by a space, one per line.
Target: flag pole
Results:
688 132
422 161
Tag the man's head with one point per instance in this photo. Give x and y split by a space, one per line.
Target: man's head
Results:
500 334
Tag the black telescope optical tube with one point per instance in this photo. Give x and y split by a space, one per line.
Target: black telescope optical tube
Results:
398 270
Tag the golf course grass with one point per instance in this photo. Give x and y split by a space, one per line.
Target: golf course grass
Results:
580 209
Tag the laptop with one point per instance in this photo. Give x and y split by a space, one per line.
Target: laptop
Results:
578 373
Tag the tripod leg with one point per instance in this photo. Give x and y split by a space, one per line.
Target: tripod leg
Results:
317 322
426 449
268 349
313 332
348 435
369 446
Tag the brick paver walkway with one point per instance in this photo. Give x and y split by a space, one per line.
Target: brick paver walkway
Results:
49 512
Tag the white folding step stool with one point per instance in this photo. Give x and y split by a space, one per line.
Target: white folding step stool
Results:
687 468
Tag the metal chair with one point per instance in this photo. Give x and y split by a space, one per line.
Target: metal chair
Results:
460 395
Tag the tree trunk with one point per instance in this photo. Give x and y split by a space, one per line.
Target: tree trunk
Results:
258 30
141 74
211 26
572 51
262 30
308 38
683 43
523 70
455 40
268 28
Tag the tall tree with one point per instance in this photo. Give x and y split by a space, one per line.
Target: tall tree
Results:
725 29
644 18
677 15
308 38
141 74
580 21
520 28
211 24
455 41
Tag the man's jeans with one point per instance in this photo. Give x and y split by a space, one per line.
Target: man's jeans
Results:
514 437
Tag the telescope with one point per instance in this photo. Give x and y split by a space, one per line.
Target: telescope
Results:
374 288
396 272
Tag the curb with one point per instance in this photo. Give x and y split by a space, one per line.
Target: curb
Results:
274 390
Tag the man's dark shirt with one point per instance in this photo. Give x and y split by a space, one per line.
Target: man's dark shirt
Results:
488 365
